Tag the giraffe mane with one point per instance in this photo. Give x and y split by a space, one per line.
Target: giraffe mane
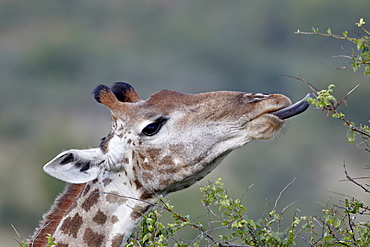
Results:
52 218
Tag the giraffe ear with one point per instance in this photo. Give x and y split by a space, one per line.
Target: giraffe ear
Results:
76 166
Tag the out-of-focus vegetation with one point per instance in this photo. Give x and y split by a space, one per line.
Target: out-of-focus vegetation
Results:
53 53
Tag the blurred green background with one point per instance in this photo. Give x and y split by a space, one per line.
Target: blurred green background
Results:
53 53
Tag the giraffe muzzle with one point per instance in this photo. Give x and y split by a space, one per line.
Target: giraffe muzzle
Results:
294 109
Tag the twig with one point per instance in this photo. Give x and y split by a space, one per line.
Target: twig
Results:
290 204
300 78
352 180
357 178
281 192
344 100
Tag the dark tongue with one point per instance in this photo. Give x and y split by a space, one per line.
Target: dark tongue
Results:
294 109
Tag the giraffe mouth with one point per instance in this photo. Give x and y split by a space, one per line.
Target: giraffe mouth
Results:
294 109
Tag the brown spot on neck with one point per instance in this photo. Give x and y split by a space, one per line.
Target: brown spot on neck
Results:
55 215
114 197
71 225
100 218
114 219
87 189
92 238
107 181
117 240
91 200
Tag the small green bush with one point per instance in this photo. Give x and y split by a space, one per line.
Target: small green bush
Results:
336 227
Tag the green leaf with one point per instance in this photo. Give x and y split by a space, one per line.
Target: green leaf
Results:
339 115
360 44
329 31
351 136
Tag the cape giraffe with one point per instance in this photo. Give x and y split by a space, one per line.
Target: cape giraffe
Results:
156 146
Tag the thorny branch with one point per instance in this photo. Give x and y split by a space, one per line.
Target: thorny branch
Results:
332 108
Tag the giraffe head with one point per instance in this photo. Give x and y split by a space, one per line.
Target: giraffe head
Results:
171 140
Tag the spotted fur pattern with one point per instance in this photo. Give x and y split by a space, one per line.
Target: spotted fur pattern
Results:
155 147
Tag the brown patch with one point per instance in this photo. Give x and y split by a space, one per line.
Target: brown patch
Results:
129 141
138 184
93 239
62 245
95 181
165 182
72 225
147 176
87 189
100 218
107 181
126 161
142 157
176 148
147 166
91 200
146 195
114 219
169 170
167 160
153 153
139 211
51 220
114 197
117 240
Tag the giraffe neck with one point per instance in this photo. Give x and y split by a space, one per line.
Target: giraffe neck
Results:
52 218
103 212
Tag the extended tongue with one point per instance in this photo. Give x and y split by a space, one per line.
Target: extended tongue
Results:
294 109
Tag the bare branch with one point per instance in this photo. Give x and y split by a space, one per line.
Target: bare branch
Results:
300 78
352 180
281 193
344 100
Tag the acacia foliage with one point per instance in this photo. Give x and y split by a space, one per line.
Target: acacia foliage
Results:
227 224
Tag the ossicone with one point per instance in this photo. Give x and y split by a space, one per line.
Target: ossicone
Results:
114 97
125 92
104 95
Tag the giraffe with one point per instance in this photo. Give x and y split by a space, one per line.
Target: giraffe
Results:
156 146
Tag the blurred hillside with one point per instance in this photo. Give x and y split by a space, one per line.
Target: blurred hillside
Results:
53 53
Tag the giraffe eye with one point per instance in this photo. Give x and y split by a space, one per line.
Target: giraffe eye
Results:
153 128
